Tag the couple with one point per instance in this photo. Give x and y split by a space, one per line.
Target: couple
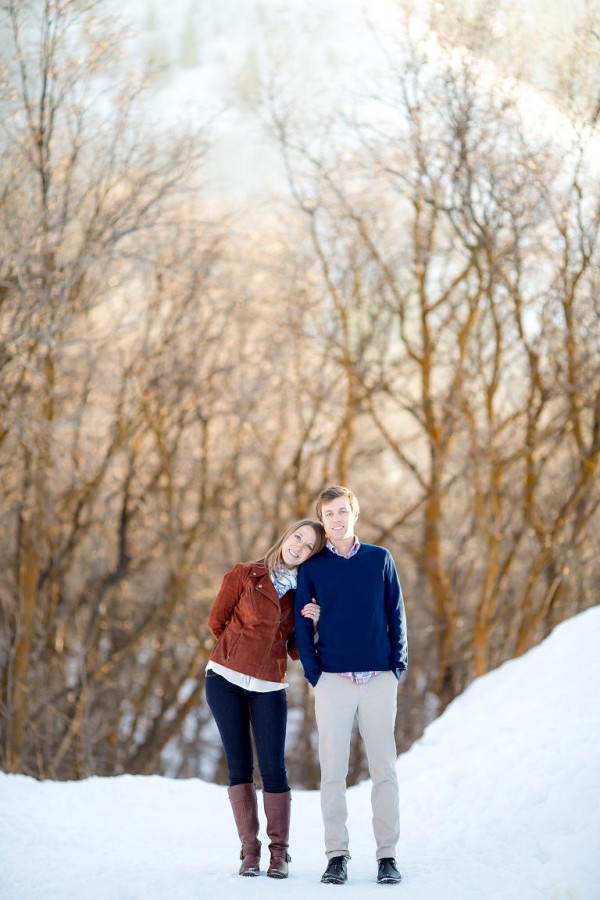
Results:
353 661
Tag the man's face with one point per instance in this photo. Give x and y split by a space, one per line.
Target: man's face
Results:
338 519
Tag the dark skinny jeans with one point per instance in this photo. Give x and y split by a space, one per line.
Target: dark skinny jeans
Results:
238 711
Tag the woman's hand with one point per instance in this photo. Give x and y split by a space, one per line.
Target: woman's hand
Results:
311 611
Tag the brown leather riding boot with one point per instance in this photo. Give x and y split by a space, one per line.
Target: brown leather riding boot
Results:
278 808
245 812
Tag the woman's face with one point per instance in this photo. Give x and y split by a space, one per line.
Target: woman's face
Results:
298 546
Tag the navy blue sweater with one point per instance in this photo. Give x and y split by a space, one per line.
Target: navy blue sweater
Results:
362 625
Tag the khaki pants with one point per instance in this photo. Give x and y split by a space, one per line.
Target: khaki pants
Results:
337 702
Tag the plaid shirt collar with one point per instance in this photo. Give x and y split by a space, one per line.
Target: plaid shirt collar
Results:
352 552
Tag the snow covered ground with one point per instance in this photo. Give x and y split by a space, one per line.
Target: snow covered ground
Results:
500 801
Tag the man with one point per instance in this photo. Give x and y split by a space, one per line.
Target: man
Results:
353 664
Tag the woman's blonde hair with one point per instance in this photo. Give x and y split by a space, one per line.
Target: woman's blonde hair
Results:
274 558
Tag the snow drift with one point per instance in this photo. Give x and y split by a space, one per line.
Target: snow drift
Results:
500 799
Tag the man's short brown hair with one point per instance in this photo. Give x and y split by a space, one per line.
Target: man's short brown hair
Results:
332 493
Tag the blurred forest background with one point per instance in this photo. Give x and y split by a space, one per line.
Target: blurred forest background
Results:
416 316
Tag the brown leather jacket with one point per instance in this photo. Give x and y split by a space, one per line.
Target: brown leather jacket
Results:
253 627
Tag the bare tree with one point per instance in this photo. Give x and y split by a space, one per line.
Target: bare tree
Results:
472 235
87 196
421 322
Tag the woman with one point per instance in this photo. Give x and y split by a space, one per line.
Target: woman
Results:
253 621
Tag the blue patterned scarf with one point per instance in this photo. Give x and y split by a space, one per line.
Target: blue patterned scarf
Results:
283 579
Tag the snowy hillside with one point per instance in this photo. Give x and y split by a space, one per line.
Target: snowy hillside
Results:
500 801
218 61
215 62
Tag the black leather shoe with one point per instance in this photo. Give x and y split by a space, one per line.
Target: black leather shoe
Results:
336 872
387 872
